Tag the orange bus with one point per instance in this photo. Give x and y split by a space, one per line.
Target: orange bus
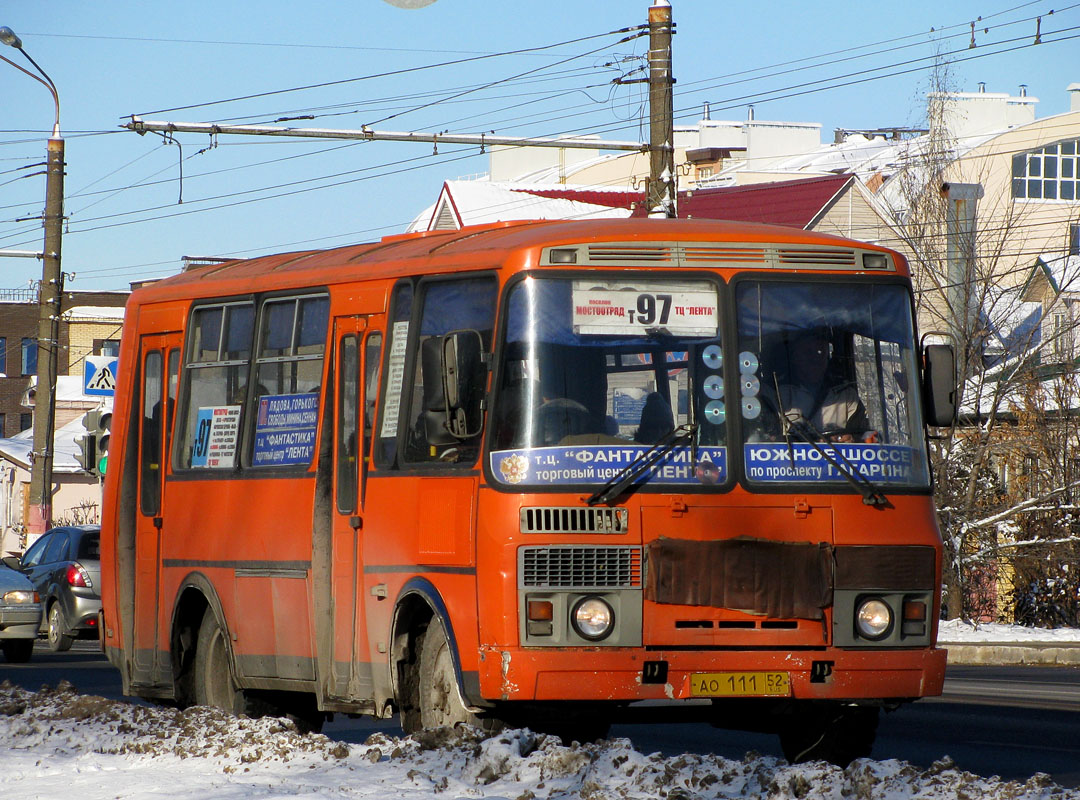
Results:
532 473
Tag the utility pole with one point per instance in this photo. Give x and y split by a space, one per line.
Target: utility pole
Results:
662 188
661 147
49 293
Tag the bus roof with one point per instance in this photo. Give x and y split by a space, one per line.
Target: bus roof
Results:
470 248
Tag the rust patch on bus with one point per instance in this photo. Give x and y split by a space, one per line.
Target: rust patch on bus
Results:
784 580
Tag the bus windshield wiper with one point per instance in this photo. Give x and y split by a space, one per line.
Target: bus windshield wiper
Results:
621 480
804 430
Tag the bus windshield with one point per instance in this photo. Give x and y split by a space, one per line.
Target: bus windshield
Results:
596 372
827 383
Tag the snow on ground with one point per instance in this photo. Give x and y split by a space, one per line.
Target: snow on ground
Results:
957 631
57 743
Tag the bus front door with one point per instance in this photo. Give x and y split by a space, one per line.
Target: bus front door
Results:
349 676
159 361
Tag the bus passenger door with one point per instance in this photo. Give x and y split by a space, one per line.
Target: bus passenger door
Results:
349 679
159 366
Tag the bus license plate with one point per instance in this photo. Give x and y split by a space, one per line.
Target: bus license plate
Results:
740 684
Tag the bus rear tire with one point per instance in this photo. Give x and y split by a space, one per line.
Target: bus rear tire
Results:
830 732
440 703
214 684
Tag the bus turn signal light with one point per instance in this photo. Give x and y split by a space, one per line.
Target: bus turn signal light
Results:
540 611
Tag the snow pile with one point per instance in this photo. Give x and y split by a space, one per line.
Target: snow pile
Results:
958 631
57 743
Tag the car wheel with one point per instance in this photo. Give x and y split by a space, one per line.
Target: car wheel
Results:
17 651
440 701
59 641
214 683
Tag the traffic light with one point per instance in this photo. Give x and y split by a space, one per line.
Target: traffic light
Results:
87 442
104 424
94 444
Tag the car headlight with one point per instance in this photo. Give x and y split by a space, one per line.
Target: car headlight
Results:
20 597
873 618
593 618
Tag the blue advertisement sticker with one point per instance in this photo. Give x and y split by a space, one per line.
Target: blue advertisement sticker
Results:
881 463
595 464
285 429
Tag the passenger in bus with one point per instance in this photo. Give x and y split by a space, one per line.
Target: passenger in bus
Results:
657 421
819 395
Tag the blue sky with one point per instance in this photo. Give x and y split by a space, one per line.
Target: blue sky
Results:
793 60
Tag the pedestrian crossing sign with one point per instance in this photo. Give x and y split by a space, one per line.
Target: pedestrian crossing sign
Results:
99 376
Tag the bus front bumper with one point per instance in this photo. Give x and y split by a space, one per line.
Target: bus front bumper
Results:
632 674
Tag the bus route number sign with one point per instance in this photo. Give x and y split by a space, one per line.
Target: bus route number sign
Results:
740 684
620 309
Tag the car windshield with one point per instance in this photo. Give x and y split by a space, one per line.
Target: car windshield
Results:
827 383
594 373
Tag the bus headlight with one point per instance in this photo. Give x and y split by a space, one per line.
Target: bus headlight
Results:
873 618
592 618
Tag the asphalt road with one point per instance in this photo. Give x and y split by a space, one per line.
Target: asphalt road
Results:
1006 721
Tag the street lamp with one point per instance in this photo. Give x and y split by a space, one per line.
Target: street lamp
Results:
41 467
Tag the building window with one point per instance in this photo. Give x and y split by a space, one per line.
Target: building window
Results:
1074 240
29 357
26 422
107 347
3 356
1062 335
704 172
1049 173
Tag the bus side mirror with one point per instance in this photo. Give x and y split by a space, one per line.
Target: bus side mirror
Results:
939 385
464 375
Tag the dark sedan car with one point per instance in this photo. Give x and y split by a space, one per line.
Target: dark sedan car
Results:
64 565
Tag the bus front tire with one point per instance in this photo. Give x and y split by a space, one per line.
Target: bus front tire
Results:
214 685
830 732
440 703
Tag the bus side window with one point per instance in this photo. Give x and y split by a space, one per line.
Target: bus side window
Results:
217 365
372 350
289 367
348 457
150 457
447 305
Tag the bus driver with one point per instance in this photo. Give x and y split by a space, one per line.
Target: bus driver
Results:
832 408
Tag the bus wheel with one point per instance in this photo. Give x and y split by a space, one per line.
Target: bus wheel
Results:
214 685
440 701
830 732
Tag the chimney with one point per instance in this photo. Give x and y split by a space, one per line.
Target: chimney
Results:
982 87
1023 90
1074 96
750 113
706 114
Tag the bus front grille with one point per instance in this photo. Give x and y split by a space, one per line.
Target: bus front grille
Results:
561 519
580 567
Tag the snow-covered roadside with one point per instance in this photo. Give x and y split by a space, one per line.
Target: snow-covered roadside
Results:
60 744
957 631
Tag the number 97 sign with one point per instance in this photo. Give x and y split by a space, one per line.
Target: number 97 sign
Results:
638 308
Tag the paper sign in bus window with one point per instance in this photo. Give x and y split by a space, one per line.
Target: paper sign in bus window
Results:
217 430
285 429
